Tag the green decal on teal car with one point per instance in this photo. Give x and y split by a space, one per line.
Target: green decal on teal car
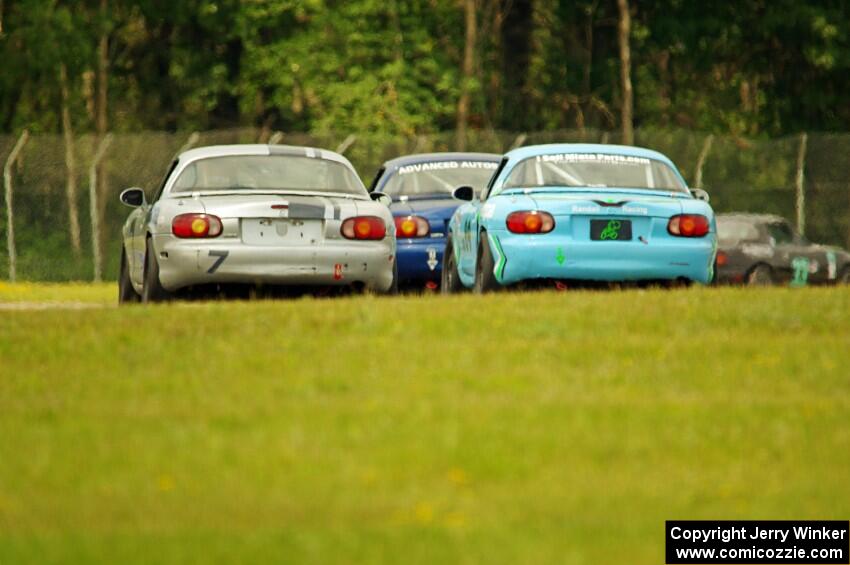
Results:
499 268
560 256
611 231
800 266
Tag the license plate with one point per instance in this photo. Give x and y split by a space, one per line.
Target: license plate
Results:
279 231
611 230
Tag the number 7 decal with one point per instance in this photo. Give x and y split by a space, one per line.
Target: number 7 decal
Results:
222 255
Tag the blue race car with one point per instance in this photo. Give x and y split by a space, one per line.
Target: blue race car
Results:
421 188
572 212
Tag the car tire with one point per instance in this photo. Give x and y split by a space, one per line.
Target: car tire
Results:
394 287
843 276
485 280
760 275
126 293
152 290
450 282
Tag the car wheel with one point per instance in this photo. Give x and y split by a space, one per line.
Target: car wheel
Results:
485 280
126 293
844 276
761 275
450 281
152 290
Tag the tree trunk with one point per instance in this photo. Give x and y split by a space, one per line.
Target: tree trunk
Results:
101 113
517 28
70 164
623 33
468 74
587 71
496 61
102 74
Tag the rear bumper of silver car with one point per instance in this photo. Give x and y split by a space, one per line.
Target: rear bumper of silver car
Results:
340 262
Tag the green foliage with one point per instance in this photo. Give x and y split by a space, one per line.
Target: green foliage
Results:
379 67
393 66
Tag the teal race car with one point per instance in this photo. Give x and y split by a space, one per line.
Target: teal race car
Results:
571 213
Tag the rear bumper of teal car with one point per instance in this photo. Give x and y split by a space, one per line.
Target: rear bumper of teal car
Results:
561 257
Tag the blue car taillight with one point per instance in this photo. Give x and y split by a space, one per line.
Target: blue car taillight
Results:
411 226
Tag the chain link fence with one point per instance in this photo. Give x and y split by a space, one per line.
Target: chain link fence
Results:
805 178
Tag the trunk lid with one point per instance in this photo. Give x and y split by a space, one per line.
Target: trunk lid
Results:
437 211
274 206
278 219
609 203
608 215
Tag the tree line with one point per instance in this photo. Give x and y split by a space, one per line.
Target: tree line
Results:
408 67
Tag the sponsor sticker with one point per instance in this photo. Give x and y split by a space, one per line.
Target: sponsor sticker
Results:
592 158
585 209
432 258
445 165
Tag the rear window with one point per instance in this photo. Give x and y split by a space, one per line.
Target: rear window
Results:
781 233
596 170
267 172
439 177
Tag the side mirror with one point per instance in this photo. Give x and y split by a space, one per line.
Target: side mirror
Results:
465 193
700 194
133 197
381 197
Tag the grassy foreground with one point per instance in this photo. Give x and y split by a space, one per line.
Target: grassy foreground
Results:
518 428
59 293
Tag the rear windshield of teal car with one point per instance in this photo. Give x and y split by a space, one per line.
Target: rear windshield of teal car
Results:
439 177
267 172
596 170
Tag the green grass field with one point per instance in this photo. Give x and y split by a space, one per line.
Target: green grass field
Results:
516 428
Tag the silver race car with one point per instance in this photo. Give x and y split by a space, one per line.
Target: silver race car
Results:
256 215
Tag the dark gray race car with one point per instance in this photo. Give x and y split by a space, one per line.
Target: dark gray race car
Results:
761 249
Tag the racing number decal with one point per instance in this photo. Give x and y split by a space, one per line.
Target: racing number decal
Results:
222 255
800 267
